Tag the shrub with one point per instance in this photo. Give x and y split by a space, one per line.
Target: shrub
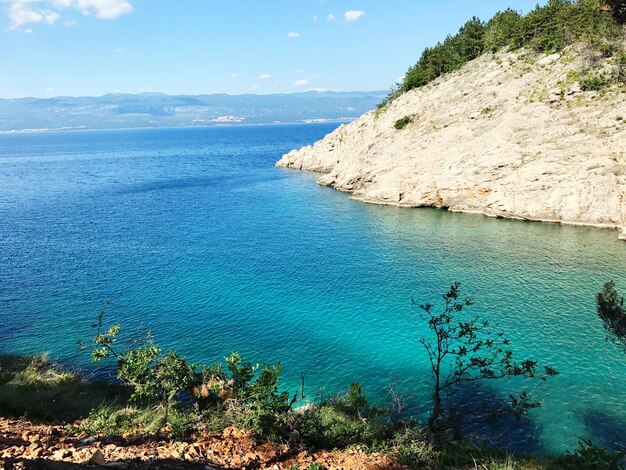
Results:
621 68
590 457
245 395
413 450
38 389
155 377
343 421
403 122
240 393
594 82
116 420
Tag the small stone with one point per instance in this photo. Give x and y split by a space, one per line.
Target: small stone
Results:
87 440
193 452
60 454
97 458
36 453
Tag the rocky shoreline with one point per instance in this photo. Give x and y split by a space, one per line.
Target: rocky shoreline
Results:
509 135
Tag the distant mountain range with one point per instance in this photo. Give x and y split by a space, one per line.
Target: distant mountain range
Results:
115 111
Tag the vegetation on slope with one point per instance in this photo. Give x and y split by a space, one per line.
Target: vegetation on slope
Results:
35 388
549 28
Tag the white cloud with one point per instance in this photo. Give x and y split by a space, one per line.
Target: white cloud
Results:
119 50
23 12
314 19
298 71
293 34
264 76
237 75
353 15
254 88
104 9
319 90
301 82
330 18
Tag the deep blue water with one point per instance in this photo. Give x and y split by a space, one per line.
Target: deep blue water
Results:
194 234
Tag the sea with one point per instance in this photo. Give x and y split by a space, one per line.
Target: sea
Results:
194 235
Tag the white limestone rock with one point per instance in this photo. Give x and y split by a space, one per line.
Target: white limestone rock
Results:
490 138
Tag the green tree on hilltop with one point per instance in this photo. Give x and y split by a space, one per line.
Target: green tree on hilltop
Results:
547 28
503 30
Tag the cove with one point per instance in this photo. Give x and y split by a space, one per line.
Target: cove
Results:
195 235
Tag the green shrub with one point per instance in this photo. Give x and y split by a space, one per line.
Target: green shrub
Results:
246 395
38 372
403 122
239 393
413 450
34 387
115 420
594 82
621 67
342 421
590 457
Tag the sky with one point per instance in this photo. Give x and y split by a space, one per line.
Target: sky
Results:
92 47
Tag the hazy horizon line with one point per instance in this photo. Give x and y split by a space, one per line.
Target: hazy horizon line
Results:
159 93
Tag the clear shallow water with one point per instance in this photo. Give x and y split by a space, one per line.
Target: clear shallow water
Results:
194 234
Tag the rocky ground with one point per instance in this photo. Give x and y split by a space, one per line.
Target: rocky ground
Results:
509 135
33 446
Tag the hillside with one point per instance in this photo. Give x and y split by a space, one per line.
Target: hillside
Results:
113 111
516 134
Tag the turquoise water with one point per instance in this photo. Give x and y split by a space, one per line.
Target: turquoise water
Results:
194 234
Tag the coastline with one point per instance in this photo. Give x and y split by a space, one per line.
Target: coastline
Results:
378 202
497 216
479 140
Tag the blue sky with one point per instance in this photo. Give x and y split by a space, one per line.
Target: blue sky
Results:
91 47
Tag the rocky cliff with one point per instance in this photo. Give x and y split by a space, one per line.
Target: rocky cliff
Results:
509 135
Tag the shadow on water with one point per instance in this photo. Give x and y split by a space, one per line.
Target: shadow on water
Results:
178 184
482 420
605 430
